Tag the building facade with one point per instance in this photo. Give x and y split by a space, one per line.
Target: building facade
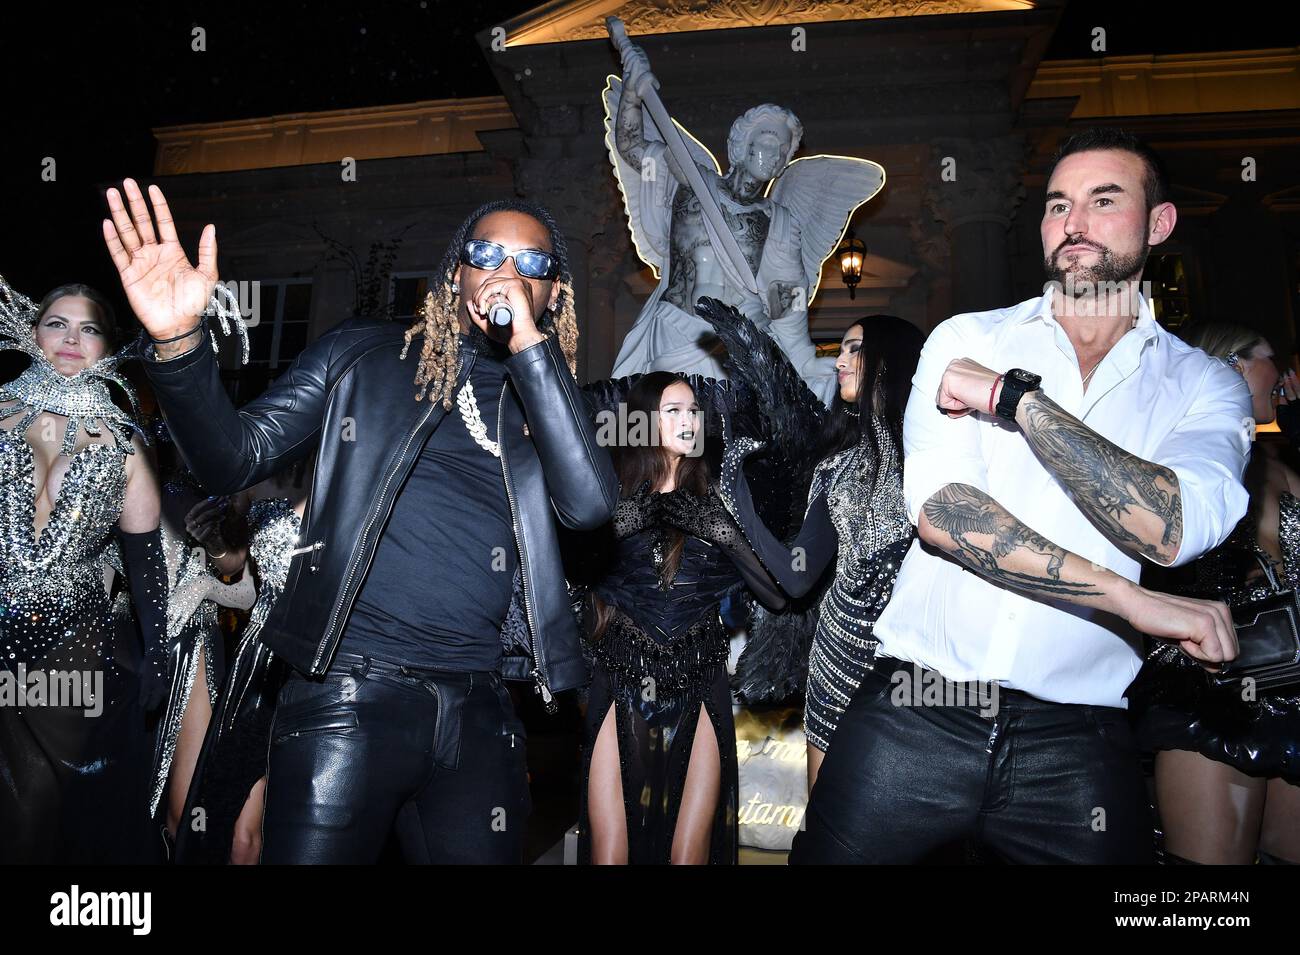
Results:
349 211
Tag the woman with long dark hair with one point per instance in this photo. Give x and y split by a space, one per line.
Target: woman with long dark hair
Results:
74 476
1227 767
660 781
854 517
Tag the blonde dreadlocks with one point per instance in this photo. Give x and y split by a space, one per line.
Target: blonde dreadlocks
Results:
439 317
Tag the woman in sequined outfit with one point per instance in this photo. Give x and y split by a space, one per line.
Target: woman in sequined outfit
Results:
198 557
73 474
230 779
660 776
1228 769
854 518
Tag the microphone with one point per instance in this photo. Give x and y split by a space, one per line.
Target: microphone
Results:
501 314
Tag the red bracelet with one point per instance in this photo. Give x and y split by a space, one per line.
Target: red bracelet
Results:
992 391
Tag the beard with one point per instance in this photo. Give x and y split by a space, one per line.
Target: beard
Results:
1110 269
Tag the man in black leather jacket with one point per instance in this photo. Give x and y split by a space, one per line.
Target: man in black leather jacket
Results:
419 519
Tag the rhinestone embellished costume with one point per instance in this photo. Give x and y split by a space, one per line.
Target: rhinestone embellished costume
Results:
193 630
1176 706
70 765
235 747
873 535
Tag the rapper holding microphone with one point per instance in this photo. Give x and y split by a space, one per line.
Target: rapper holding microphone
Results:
428 566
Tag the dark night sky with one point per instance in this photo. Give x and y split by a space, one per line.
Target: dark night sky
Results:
86 87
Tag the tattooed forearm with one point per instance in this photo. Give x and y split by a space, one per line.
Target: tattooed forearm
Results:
979 532
1135 503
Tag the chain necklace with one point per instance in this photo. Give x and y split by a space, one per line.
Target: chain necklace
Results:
1094 369
469 413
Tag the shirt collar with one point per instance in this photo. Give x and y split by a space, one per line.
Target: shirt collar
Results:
1041 310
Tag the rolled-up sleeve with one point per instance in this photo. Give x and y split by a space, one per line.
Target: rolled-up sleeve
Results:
939 450
1208 451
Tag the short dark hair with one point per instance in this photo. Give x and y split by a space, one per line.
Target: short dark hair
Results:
1156 184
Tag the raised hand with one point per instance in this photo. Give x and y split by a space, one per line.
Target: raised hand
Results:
165 291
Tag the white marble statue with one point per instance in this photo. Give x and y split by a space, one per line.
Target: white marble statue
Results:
786 219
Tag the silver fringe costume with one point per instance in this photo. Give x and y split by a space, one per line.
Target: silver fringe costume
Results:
194 631
235 748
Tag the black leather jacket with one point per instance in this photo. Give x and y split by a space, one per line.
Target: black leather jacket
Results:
350 396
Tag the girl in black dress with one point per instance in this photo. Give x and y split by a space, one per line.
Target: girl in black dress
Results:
660 776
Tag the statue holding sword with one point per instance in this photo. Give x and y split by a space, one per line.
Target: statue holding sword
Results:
754 237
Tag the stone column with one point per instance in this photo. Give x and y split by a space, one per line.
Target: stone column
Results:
974 192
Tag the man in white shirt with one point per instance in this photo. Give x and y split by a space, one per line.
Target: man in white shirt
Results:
1072 436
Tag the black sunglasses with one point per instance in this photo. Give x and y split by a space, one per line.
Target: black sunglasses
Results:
530 263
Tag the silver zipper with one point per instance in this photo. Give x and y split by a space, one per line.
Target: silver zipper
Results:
314 549
334 615
548 700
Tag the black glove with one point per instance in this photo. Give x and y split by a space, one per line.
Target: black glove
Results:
634 514
703 517
146 574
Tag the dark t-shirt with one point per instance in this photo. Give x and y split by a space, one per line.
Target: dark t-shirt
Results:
440 583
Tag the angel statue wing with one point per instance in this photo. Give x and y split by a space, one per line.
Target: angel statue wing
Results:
822 192
648 192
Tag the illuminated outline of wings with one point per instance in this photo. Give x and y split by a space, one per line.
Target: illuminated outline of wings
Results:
645 250
807 188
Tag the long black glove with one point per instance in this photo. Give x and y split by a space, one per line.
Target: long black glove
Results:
706 518
146 574
636 512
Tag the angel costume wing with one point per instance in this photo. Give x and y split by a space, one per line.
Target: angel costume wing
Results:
823 192
774 405
648 192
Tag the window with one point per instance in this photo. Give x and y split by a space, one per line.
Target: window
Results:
284 317
406 294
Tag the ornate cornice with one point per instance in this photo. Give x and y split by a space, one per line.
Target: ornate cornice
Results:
585 19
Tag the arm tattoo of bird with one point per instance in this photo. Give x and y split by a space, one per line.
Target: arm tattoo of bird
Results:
964 513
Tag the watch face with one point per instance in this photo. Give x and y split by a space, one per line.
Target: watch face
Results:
1022 376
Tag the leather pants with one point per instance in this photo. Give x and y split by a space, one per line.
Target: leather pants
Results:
1028 780
374 747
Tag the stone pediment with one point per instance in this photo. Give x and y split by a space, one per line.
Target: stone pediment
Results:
569 20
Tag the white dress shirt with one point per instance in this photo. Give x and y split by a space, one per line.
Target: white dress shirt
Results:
1152 395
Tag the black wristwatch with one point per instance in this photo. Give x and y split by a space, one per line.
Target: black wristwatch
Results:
1015 383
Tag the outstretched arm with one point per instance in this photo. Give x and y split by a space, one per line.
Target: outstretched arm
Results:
227 449
707 518
971 527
